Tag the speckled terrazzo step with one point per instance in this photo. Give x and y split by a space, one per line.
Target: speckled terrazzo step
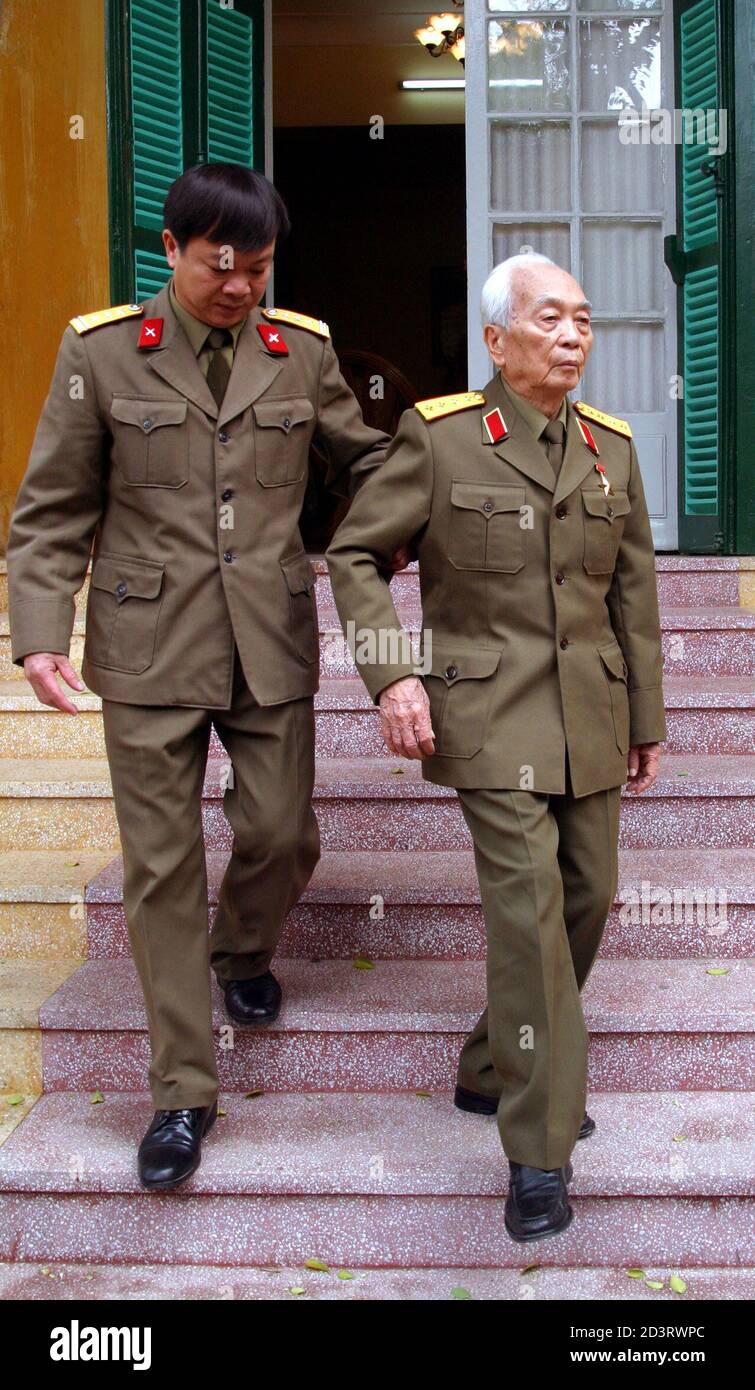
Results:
64 1279
431 905
700 641
653 1024
703 715
696 641
714 714
378 1180
375 803
684 580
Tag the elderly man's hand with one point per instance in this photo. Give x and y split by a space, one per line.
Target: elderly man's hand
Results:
642 765
405 718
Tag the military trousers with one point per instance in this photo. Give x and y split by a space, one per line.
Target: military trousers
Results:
157 757
547 866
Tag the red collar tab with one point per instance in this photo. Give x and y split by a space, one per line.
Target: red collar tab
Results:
152 332
271 337
587 436
495 426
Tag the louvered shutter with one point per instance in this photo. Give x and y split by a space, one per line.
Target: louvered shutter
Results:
701 332
185 85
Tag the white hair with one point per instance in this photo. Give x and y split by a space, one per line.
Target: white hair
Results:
497 292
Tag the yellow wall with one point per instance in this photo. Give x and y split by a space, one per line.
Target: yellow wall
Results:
53 204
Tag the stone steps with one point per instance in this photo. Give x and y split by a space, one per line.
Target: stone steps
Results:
654 1024
37 1279
701 641
714 714
430 909
346 1179
376 804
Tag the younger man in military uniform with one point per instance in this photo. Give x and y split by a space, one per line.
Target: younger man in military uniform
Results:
175 438
541 689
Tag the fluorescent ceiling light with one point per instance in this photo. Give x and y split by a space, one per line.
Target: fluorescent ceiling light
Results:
433 84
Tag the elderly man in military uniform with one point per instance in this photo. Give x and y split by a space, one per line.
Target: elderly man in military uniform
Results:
538 692
175 437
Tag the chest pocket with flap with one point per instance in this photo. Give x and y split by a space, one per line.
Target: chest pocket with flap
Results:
604 527
282 433
150 441
484 531
124 604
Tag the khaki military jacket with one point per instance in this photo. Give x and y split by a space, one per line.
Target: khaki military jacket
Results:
191 511
538 595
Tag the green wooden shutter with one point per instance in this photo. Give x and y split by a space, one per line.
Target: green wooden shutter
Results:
184 85
157 125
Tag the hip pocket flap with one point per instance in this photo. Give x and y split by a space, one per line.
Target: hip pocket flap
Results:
299 572
613 658
453 666
127 578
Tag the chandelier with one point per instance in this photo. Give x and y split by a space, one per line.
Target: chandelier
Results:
444 33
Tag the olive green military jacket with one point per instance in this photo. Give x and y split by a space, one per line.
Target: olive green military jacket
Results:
192 511
540 612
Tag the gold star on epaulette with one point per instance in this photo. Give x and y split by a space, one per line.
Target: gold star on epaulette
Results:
610 422
83 322
438 406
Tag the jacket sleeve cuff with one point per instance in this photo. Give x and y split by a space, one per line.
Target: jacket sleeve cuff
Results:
647 721
40 625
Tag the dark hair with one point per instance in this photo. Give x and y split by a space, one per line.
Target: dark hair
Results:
227 203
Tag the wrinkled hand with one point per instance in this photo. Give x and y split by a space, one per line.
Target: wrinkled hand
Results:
40 670
405 718
643 762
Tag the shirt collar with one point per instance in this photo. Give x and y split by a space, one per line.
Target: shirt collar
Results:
195 329
533 417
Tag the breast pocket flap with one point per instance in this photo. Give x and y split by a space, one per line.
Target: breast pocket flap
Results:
283 415
127 578
487 498
597 504
148 415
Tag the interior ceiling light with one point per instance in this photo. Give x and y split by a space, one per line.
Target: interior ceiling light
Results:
444 33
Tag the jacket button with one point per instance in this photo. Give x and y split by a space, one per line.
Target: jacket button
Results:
610 511
487 506
121 589
286 423
561 511
147 424
563 644
223 437
226 495
228 556
560 578
452 672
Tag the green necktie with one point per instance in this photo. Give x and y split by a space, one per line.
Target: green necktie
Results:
218 370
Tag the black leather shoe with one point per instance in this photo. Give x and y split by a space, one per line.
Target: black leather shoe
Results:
252 1001
537 1203
171 1150
486 1105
